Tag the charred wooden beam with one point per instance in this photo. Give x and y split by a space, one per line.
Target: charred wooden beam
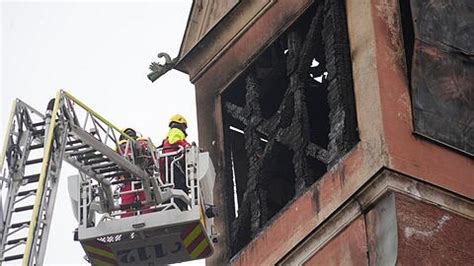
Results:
343 134
288 128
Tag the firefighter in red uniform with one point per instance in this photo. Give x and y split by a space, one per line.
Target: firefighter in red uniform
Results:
177 134
122 149
177 137
131 198
143 160
143 155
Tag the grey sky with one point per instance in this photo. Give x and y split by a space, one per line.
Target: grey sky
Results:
99 52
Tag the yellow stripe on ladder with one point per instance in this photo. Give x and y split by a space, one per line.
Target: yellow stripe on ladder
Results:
42 178
88 109
7 135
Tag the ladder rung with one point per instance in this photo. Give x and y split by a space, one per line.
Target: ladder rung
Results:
38 124
23 208
72 142
101 160
14 241
36 146
34 161
135 205
120 173
16 225
14 257
125 180
77 147
38 132
26 192
41 123
100 166
90 156
84 152
108 170
32 178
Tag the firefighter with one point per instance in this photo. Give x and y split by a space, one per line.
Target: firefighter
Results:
176 137
130 198
177 133
144 160
122 149
143 155
122 144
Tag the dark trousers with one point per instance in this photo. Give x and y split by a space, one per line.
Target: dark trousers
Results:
180 183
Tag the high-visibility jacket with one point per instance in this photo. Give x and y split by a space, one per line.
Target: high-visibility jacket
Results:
175 137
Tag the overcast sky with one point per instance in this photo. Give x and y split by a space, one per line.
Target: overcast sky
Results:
99 52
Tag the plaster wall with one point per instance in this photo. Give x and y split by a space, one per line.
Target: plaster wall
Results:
383 112
347 248
393 220
429 235
408 152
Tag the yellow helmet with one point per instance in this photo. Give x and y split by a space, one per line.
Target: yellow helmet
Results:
178 119
130 132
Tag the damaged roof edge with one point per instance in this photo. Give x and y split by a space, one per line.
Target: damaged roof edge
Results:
180 54
184 53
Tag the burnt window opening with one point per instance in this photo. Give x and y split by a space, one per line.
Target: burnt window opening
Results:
270 70
287 119
440 70
279 185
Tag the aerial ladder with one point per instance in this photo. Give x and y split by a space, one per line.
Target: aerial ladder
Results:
167 225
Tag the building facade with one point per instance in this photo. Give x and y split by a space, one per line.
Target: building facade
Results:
341 130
